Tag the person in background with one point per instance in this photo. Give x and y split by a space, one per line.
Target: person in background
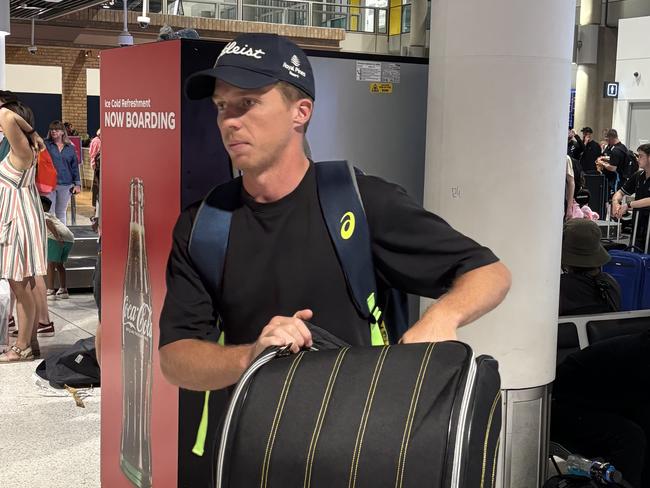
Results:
575 145
66 163
639 186
22 239
60 240
613 160
95 160
591 152
584 288
70 130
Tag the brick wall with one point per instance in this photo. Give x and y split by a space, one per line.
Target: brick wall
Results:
73 63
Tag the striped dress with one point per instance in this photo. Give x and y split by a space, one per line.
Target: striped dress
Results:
22 224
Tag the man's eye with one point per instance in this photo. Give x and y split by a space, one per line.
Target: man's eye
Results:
220 105
248 102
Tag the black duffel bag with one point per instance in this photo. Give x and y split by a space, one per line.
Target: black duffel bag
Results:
417 415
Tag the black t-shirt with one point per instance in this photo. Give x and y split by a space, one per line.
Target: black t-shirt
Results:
638 185
581 294
280 259
591 152
617 157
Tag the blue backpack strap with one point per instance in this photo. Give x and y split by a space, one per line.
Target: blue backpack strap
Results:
342 208
207 247
210 232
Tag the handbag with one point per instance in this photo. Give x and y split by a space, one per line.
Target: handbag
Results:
46 176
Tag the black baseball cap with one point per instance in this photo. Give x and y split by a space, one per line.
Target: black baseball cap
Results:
253 61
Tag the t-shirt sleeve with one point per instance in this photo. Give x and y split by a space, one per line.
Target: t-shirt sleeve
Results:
629 187
617 157
414 250
188 311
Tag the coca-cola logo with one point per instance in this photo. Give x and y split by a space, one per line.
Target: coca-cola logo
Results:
137 317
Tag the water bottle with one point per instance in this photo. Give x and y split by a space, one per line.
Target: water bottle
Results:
595 470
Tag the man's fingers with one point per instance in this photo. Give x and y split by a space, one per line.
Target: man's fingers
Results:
304 314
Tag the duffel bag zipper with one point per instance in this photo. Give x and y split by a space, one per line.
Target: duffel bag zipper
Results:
462 422
234 400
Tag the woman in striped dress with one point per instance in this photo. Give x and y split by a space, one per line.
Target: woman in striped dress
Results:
22 226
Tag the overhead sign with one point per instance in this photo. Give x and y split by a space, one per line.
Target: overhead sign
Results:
381 88
610 89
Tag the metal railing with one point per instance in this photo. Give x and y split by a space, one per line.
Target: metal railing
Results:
342 15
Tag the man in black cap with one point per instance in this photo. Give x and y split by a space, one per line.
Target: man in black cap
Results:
591 152
584 288
281 267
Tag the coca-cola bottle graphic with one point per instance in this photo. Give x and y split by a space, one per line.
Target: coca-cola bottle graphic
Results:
137 349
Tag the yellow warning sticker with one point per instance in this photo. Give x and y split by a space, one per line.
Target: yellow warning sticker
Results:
381 88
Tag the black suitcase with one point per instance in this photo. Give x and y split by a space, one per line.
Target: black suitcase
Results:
417 415
597 186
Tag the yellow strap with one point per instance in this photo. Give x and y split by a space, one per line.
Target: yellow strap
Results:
199 445
378 334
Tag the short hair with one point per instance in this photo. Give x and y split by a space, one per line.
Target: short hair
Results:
644 148
292 94
612 133
46 202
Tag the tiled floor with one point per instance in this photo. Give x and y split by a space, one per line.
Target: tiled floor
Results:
47 441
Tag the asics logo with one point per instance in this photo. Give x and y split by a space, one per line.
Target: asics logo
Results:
348 222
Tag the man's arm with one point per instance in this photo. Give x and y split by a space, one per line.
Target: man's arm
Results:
201 365
472 295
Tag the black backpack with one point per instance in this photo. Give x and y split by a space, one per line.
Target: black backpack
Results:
631 164
75 367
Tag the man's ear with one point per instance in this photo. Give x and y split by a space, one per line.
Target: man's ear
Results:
304 110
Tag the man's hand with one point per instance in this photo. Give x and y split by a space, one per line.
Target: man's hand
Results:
422 332
282 331
76 189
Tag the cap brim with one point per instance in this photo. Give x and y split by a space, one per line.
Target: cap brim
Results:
595 260
201 84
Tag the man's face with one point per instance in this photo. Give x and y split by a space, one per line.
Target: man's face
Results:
644 161
586 136
256 125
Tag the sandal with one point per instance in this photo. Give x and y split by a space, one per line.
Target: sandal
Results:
23 355
11 324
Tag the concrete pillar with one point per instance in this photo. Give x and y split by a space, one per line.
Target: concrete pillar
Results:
499 86
590 12
591 109
418 37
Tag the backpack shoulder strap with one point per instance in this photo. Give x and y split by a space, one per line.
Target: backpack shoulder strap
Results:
345 218
210 232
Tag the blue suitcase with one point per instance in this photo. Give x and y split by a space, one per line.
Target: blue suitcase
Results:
632 271
627 269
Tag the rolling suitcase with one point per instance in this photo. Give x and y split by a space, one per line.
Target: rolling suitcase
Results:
632 272
596 184
417 415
